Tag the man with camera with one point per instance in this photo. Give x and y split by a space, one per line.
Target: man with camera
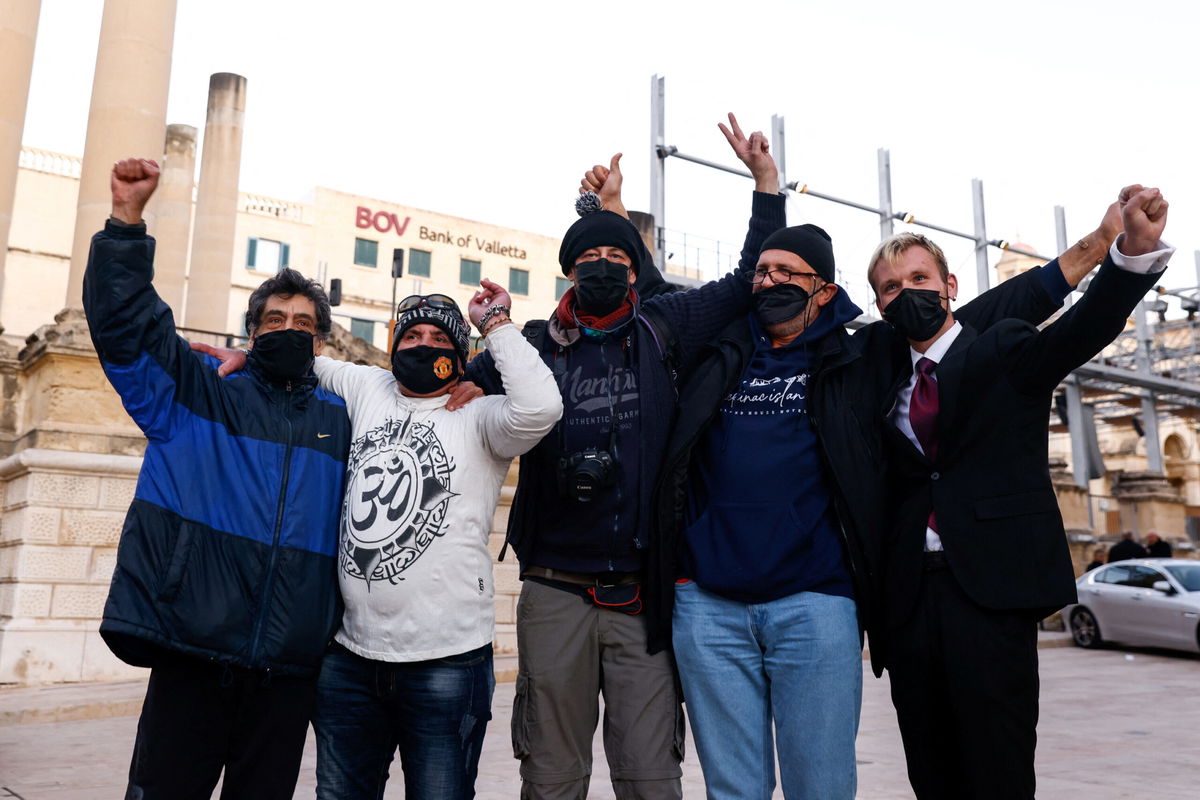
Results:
581 516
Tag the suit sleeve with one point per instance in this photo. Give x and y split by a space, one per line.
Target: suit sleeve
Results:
133 330
1031 296
1038 362
698 315
532 403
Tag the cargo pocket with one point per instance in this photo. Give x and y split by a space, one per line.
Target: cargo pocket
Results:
172 579
520 718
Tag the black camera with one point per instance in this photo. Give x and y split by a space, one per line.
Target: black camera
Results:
581 475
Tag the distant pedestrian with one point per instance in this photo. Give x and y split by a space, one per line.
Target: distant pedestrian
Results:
1128 547
1156 546
1098 558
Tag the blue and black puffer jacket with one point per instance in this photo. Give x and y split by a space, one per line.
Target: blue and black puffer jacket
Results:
228 552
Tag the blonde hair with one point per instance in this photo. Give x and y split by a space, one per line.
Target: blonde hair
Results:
891 248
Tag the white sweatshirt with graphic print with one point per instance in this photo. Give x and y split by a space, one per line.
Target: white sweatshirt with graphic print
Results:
422 486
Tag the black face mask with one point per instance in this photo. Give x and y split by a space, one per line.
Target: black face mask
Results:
780 303
284 355
600 286
425 370
916 314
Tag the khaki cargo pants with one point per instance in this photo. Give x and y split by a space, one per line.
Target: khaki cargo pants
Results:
569 653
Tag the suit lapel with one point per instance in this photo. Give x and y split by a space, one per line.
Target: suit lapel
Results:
902 369
949 377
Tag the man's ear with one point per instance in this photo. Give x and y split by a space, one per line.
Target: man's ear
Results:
824 297
318 345
952 286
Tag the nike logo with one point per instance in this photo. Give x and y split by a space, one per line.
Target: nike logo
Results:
324 435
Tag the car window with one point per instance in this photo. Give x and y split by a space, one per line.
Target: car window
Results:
1143 577
1117 574
1187 574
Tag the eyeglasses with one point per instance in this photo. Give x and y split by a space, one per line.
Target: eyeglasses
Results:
780 275
414 301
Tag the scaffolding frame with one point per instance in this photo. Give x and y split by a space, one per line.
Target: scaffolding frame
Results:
1157 372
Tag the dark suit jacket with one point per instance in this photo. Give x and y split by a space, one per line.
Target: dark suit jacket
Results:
990 485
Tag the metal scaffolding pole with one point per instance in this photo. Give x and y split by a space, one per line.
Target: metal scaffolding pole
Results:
1154 461
778 142
658 160
981 241
885 193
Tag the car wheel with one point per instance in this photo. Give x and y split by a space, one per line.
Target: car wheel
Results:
1085 631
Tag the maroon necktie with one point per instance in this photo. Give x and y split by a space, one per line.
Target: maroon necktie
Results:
923 412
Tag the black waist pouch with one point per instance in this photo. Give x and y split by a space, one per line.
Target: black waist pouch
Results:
626 598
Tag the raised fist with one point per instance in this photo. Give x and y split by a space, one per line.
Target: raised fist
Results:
1144 215
133 181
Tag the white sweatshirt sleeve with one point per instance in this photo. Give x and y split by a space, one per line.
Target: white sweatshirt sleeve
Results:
532 403
343 378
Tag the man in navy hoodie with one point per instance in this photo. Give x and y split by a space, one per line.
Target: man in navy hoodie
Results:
769 514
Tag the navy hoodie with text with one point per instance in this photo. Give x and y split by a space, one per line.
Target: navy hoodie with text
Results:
761 522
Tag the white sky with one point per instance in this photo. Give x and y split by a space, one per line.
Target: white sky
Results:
492 111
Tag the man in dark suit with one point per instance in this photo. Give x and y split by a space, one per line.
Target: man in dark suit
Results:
976 553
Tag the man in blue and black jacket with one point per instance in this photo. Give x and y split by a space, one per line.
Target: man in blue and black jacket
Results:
230 597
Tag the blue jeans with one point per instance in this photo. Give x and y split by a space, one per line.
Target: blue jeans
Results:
796 661
434 711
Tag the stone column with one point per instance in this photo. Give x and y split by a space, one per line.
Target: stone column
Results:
216 205
128 114
18 32
170 213
1148 502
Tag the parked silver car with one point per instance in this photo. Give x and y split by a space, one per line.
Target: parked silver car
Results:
1149 602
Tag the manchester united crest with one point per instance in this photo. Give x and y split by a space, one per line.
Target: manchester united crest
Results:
397 497
443 367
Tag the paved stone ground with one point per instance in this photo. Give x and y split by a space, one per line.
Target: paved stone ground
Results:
1115 724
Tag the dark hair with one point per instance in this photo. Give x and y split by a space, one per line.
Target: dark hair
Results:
288 282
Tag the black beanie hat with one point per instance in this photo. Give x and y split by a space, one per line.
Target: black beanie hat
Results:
810 243
600 229
449 320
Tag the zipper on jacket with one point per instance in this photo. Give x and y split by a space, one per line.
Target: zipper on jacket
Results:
255 641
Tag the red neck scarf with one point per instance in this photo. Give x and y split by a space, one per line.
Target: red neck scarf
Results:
570 317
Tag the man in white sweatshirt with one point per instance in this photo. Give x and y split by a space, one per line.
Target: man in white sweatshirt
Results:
411 665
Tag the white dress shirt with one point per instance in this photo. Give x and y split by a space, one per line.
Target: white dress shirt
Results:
1144 264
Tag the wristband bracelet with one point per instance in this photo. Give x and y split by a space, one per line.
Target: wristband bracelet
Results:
496 323
491 312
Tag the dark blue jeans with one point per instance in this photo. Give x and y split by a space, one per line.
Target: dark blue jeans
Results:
434 711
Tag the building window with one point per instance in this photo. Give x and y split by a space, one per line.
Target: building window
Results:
363 329
518 281
266 255
366 253
468 271
560 287
418 263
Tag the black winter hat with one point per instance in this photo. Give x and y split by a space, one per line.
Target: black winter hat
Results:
600 229
449 320
810 243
